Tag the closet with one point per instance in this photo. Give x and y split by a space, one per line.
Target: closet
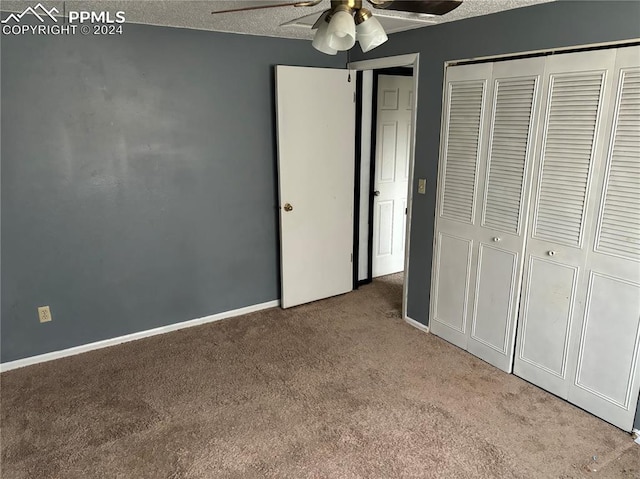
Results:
537 238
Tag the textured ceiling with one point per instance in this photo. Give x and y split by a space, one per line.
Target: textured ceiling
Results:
274 22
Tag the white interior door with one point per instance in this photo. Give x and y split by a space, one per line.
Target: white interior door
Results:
316 148
393 140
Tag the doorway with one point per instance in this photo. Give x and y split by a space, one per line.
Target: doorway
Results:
291 112
389 176
385 138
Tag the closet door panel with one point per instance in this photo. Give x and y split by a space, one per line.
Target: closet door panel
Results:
509 152
464 125
455 245
505 166
545 324
554 281
569 137
452 290
608 354
496 282
606 380
619 223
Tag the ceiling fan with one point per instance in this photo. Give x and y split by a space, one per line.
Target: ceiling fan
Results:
346 21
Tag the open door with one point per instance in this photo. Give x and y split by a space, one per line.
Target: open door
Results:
316 153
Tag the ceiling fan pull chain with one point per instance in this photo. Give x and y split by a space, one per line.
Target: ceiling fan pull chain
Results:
348 62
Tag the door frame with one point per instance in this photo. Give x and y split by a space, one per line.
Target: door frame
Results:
409 60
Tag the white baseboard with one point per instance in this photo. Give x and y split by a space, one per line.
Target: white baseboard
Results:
41 358
416 324
636 435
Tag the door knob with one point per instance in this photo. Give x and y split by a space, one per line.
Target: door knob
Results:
551 253
288 207
376 193
496 239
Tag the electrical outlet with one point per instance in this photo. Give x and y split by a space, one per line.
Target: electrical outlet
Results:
44 313
422 186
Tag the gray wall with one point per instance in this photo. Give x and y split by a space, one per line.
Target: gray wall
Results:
138 180
551 25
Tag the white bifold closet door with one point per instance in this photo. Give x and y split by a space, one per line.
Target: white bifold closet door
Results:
538 223
482 206
580 321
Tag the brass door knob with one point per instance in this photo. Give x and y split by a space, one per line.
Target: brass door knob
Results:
287 207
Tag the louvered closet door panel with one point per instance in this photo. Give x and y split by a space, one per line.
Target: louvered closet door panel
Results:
513 104
619 228
574 107
606 379
570 148
465 102
466 91
500 223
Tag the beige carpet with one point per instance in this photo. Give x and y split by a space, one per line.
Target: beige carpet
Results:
341 388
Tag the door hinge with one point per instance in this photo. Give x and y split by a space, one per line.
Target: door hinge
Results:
352 257
354 97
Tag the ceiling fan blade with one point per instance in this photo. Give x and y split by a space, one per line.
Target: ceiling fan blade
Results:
430 7
299 3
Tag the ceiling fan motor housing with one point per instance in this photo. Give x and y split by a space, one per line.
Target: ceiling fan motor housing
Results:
351 4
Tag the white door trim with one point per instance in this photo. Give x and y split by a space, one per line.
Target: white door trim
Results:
410 59
389 62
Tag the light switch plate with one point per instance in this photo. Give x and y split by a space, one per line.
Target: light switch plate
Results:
422 186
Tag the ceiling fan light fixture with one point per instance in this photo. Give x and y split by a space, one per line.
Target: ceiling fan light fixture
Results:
321 38
342 29
369 32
